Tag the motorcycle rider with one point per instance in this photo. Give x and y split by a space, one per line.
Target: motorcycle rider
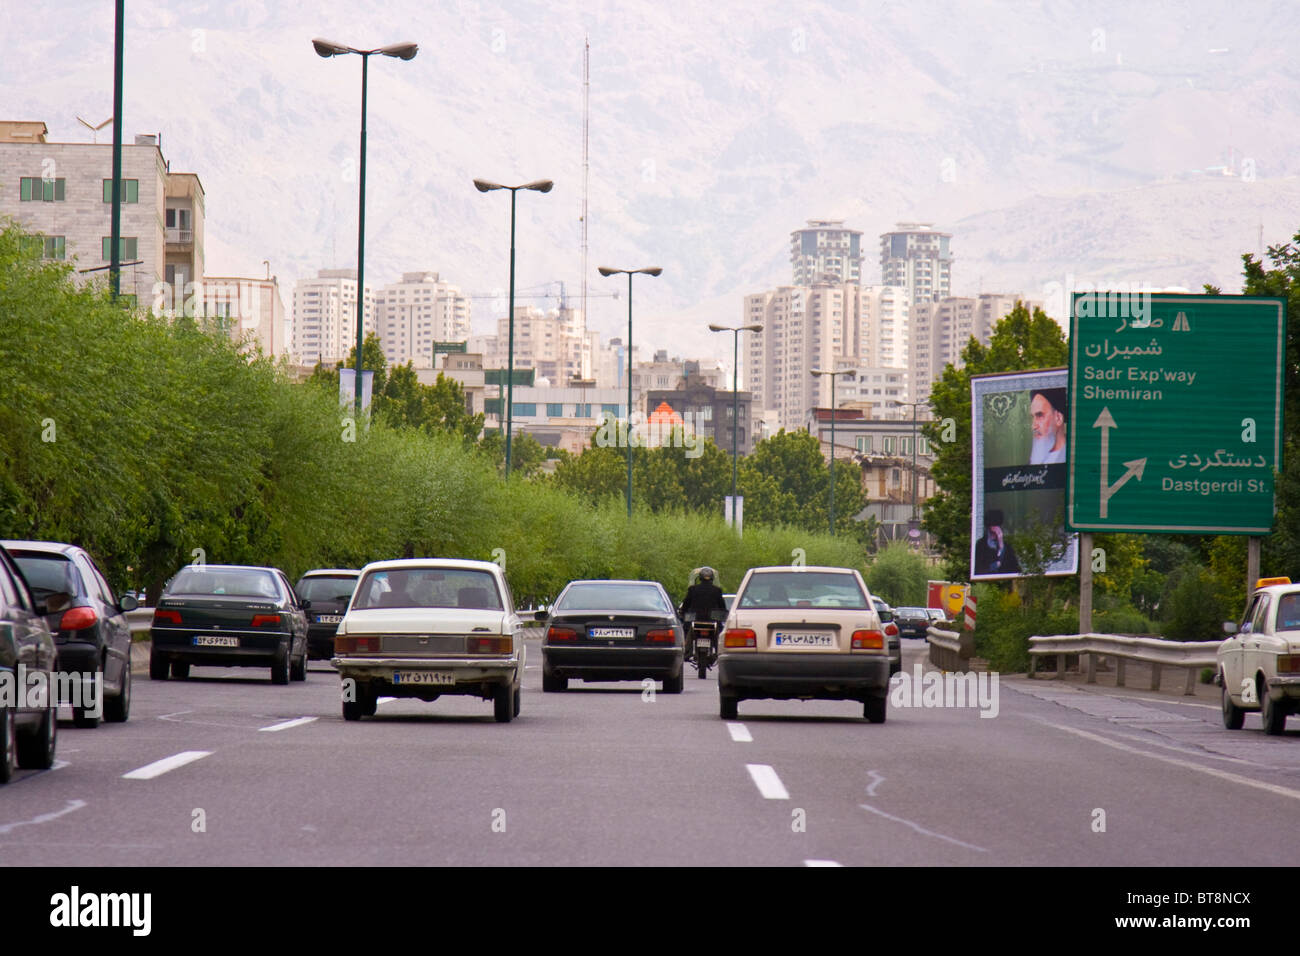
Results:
701 599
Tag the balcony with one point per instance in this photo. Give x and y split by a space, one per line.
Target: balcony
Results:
179 237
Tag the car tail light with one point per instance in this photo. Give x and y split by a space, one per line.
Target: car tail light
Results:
1289 664
662 637
78 618
356 645
891 629
868 641
260 619
489 645
561 634
739 637
163 616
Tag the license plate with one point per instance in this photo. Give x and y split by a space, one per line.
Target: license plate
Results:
616 633
328 618
803 639
423 677
215 640
704 645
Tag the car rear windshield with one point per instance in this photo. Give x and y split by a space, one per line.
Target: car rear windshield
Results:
428 587
222 582
599 596
48 574
911 612
803 589
327 587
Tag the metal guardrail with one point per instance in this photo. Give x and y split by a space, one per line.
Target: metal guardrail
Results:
1192 655
950 650
141 619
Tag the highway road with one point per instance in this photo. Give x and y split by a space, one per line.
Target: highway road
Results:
225 769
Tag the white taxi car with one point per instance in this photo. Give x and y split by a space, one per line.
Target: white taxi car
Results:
1259 666
804 633
427 627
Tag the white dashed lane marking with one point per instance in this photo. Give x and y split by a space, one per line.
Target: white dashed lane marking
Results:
821 863
285 725
740 733
768 783
160 767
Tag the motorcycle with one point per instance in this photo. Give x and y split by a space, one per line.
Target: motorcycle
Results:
702 638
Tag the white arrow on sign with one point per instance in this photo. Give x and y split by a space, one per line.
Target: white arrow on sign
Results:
1134 468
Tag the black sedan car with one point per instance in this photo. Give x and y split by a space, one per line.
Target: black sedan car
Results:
329 591
611 631
28 720
89 624
229 616
912 621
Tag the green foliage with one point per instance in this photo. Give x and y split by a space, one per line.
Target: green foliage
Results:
1003 626
898 574
1122 620
1193 610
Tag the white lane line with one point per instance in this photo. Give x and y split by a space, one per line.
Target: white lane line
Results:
740 733
44 817
160 767
821 863
285 725
920 829
1187 764
768 783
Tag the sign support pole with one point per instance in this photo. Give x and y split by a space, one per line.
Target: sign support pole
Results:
1085 582
1252 564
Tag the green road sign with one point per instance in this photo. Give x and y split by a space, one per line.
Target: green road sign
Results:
1175 417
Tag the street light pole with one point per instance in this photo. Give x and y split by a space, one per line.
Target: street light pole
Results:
735 398
483 186
608 271
833 375
403 51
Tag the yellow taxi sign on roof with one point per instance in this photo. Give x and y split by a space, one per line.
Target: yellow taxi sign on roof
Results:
1267 582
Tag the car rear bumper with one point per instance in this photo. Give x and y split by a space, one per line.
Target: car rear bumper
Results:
254 650
320 641
1285 687
78 657
819 676
471 676
612 663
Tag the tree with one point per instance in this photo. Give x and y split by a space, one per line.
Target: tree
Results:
1019 342
899 575
786 481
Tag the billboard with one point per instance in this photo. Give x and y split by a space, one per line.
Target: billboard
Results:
1020 424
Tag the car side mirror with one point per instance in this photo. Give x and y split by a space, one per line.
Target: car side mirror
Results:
885 616
541 615
128 602
1229 627
306 604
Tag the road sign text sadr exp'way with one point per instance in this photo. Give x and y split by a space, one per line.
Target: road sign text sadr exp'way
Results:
1135 374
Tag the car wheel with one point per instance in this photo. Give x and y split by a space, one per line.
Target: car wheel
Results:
36 752
8 732
82 718
674 685
280 671
158 667
180 669
353 710
504 704
1273 715
729 707
517 701
873 708
552 684
117 709
298 670
1233 716
370 697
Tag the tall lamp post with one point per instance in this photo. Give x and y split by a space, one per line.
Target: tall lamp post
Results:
914 405
735 400
403 51
483 186
833 375
650 271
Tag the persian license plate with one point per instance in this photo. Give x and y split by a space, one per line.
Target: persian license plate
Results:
705 646
614 633
804 639
328 618
423 677
215 640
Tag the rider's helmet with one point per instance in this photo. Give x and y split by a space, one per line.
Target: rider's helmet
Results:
706 575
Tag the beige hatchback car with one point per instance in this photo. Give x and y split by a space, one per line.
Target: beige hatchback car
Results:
1259 665
803 633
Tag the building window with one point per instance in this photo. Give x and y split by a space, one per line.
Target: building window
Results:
47 247
864 444
127 248
554 410
922 446
35 189
612 409
130 190
888 442
524 409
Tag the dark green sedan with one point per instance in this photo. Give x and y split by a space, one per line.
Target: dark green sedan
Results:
229 616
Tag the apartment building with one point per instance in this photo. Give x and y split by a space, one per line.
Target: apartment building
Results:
325 314
252 310
554 342
886 326
825 252
916 257
62 192
708 411
942 329
417 312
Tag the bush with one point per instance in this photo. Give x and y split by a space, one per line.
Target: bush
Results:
1004 625
1123 620
899 574
1193 610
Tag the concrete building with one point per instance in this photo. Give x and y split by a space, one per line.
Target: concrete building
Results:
465 368
555 343
886 327
942 329
416 312
708 411
63 192
252 310
324 316
917 258
562 417
825 252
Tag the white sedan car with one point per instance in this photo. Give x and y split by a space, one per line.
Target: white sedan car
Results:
427 627
1259 666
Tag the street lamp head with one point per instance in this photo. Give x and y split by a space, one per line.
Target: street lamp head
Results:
328 48
483 186
607 271
403 51
652 271
540 185
719 328
752 328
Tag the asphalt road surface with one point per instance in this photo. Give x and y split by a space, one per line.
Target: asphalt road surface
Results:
227 769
